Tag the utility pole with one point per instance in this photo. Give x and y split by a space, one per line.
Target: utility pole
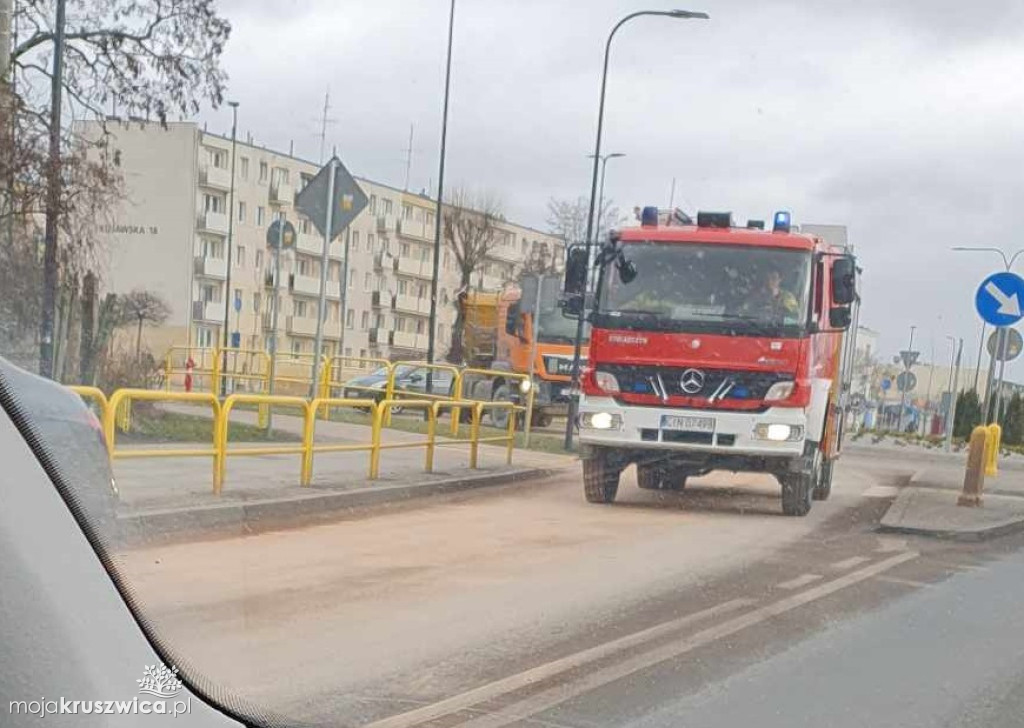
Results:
52 200
952 401
324 262
977 363
228 295
323 125
408 157
903 394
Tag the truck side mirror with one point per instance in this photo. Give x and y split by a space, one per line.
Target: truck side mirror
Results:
576 268
844 281
839 317
512 319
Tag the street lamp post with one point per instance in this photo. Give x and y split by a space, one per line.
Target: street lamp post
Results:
903 393
231 243
432 333
679 15
600 193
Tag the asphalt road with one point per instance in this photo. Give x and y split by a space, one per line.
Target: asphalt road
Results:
526 606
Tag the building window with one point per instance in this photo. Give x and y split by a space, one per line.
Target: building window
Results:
218 158
430 218
304 226
399 323
404 250
373 204
387 207
210 293
378 321
240 256
335 311
259 260
350 318
241 212
303 267
238 299
244 164
364 320
213 203
300 309
255 303
296 347
261 215
419 326
348 351
264 171
204 337
367 282
352 277
524 246
280 175
355 241
403 287
406 211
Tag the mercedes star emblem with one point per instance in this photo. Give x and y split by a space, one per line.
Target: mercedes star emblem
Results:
692 381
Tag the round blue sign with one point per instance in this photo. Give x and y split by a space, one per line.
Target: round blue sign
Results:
999 299
886 384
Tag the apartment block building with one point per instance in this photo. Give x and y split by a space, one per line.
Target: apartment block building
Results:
171 235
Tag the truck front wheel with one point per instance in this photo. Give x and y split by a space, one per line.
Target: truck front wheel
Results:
824 487
798 488
600 479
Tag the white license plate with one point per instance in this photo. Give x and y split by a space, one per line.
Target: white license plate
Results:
688 424
566 392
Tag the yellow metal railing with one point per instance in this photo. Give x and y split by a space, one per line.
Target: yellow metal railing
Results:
224 422
314 448
378 417
133 395
460 390
95 395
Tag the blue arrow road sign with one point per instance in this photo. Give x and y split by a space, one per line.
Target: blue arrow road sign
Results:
999 299
886 384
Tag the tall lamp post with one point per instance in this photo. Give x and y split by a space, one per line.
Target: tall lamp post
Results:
231 243
1000 341
432 333
903 394
676 14
600 193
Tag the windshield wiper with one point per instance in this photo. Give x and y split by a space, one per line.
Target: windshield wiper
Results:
636 312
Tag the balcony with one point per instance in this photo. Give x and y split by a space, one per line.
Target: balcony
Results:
414 267
337 249
208 311
386 223
281 193
404 340
415 230
210 176
409 304
212 222
302 326
304 285
309 243
378 336
210 267
333 289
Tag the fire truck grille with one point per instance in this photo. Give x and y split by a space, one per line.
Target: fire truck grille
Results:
693 382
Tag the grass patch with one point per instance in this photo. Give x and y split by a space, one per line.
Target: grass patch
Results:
157 426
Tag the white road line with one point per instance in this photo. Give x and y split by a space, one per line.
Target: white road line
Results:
902 582
552 697
880 491
851 562
887 545
542 672
800 581
549 698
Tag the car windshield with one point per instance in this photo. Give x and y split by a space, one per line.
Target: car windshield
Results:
709 287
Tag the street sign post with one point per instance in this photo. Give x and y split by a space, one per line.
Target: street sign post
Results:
886 384
998 299
1011 349
906 381
331 201
909 358
277 238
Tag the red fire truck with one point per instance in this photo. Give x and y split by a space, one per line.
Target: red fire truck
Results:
713 347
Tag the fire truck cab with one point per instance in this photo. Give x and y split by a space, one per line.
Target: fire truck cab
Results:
714 347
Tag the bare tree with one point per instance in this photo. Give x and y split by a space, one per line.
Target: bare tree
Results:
142 58
470 228
568 219
143 307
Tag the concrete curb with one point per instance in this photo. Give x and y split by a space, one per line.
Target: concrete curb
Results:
980 534
932 512
253 516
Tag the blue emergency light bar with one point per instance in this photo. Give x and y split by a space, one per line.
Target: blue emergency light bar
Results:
783 222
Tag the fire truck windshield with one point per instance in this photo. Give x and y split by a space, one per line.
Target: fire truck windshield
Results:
739 289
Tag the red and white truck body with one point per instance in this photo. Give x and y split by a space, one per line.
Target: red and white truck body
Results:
716 347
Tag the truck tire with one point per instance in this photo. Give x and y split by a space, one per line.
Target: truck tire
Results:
824 487
600 480
798 488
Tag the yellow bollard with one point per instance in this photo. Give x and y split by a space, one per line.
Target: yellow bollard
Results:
974 473
994 436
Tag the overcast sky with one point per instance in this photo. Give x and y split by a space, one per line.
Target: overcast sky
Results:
899 118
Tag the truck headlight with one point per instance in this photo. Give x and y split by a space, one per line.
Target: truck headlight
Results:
606 382
778 432
601 421
525 386
779 391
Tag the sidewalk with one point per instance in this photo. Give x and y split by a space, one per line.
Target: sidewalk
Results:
928 505
161 495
